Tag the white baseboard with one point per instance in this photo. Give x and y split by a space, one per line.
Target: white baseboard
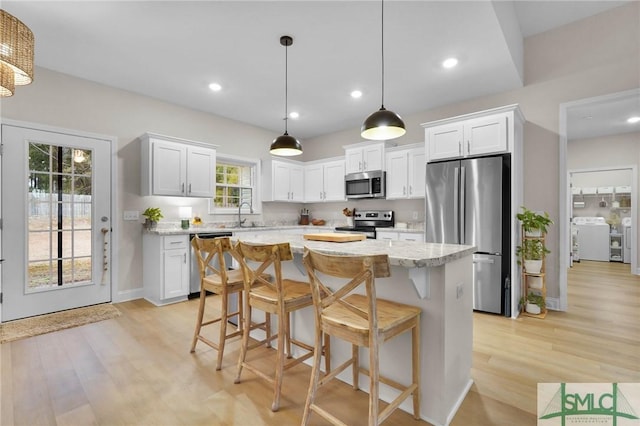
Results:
127 295
553 303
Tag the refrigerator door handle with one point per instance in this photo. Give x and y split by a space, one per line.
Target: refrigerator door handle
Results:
456 206
484 260
462 208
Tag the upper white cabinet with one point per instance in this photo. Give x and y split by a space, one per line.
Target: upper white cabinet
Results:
324 181
283 181
406 168
470 135
365 156
177 167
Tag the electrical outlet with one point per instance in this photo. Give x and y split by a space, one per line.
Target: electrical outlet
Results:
415 215
131 215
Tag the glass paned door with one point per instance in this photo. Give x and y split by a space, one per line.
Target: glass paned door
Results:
56 235
59 209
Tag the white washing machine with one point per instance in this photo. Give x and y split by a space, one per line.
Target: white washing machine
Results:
593 238
626 239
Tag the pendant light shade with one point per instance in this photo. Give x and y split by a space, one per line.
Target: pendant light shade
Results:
285 145
382 124
16 53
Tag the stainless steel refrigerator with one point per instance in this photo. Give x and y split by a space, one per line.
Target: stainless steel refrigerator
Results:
468 202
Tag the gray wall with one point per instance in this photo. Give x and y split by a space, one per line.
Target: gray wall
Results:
592 57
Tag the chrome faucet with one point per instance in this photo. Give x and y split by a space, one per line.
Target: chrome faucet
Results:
240 220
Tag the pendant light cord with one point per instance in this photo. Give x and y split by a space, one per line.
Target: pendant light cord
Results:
382 45
286 88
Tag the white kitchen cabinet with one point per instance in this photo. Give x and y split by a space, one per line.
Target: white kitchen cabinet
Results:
177 167
165 269
324 181
365 156
399 236
467 138
406 172
411 236
283 181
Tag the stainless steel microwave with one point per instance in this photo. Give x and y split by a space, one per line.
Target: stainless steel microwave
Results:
366 185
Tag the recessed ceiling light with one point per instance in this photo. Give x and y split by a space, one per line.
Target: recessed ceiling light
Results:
294 115
356 94
633 120
449 63
215 87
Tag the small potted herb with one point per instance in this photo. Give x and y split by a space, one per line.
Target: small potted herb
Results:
533 303
152 215
534 224
530 253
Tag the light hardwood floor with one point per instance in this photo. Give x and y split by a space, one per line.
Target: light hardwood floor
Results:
137 369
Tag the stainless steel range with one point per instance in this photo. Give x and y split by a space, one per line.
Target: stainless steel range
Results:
366 222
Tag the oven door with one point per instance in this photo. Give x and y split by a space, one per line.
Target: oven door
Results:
369 233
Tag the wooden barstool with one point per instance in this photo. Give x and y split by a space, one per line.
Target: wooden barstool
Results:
279 297
216 278
361 320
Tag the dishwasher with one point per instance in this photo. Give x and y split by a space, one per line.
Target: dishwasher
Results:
194 271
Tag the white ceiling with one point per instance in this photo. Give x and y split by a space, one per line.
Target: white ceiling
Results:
172 50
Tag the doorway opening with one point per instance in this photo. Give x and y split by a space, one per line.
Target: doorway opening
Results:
606 143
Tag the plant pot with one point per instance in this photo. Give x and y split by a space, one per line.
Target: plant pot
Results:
532 308
150 224
535 282
532 266
533 233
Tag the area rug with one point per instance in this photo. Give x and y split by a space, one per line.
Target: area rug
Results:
41 324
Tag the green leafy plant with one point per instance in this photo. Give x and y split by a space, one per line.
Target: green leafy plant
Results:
154 214
535 299
531 249
532 221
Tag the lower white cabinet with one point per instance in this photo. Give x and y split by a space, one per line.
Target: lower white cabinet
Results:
399 236
165 270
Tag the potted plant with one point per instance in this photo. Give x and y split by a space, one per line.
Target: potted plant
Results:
534 224
152 215
530 253
533 303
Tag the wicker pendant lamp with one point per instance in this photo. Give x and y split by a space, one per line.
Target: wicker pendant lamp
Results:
16 53
382 124
285 145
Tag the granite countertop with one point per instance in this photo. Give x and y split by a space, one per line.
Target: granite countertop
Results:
408 254
205 229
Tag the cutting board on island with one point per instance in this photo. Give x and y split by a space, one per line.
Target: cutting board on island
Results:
334 237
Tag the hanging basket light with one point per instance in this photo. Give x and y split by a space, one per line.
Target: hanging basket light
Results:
16 53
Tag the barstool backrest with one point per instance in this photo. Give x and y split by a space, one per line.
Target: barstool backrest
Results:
268 255
210 255
359 270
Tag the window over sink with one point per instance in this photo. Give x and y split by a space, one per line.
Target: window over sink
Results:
236 183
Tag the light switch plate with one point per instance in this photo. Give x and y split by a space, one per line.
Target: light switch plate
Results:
131 215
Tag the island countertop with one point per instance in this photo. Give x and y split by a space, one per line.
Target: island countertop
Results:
408 254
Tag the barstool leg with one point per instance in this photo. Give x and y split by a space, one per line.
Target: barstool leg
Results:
355 357
245 340
374 380
315 377
223 328
287 331
203 293
277 386
415 361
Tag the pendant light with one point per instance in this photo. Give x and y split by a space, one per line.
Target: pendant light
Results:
382 124
285 145
16 53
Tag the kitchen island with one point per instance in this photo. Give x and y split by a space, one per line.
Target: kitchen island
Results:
435 277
